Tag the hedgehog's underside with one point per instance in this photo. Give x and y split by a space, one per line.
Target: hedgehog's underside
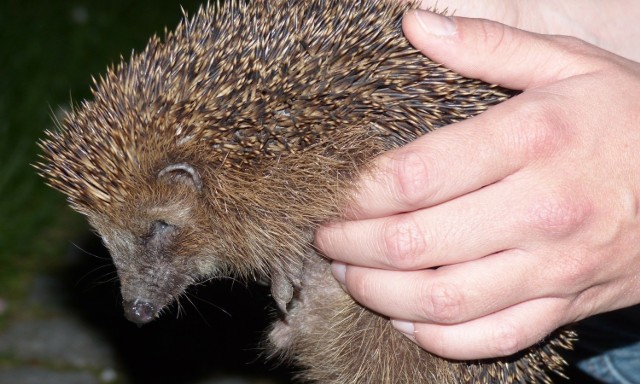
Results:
221 149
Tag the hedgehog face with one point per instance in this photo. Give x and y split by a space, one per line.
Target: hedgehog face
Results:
157 248
150 273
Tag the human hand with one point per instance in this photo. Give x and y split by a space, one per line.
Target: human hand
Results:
481 238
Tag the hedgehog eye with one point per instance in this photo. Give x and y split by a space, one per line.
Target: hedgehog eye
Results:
159 234
160 226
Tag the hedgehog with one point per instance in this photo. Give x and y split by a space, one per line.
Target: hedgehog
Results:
220 148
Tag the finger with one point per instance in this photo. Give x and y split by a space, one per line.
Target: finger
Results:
491 51
500 334
513 213
452 294
464 157
459 230
442 165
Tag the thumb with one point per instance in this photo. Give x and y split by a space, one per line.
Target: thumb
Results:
488 50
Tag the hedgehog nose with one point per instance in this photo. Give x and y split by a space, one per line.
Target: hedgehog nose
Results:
139 311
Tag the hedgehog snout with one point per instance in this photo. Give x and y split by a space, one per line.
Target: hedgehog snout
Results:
140 311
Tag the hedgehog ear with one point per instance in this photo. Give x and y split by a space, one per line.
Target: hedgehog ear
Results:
182 172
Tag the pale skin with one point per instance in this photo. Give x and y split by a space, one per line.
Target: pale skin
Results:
530 211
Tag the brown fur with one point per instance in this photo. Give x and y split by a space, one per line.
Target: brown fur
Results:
220 150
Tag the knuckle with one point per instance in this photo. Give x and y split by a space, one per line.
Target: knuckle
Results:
506 339
493 37
442 303
411 174
540 130
576 270
579 56
570 41
404 242
558 214
573 45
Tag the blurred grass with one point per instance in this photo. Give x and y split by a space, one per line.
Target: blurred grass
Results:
49 50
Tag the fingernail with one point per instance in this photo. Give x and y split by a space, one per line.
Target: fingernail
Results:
435 24
339 271
405 327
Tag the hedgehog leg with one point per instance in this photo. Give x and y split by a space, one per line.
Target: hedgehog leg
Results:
336 341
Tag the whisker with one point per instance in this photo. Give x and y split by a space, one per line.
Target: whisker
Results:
210 303
90 253
96 269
